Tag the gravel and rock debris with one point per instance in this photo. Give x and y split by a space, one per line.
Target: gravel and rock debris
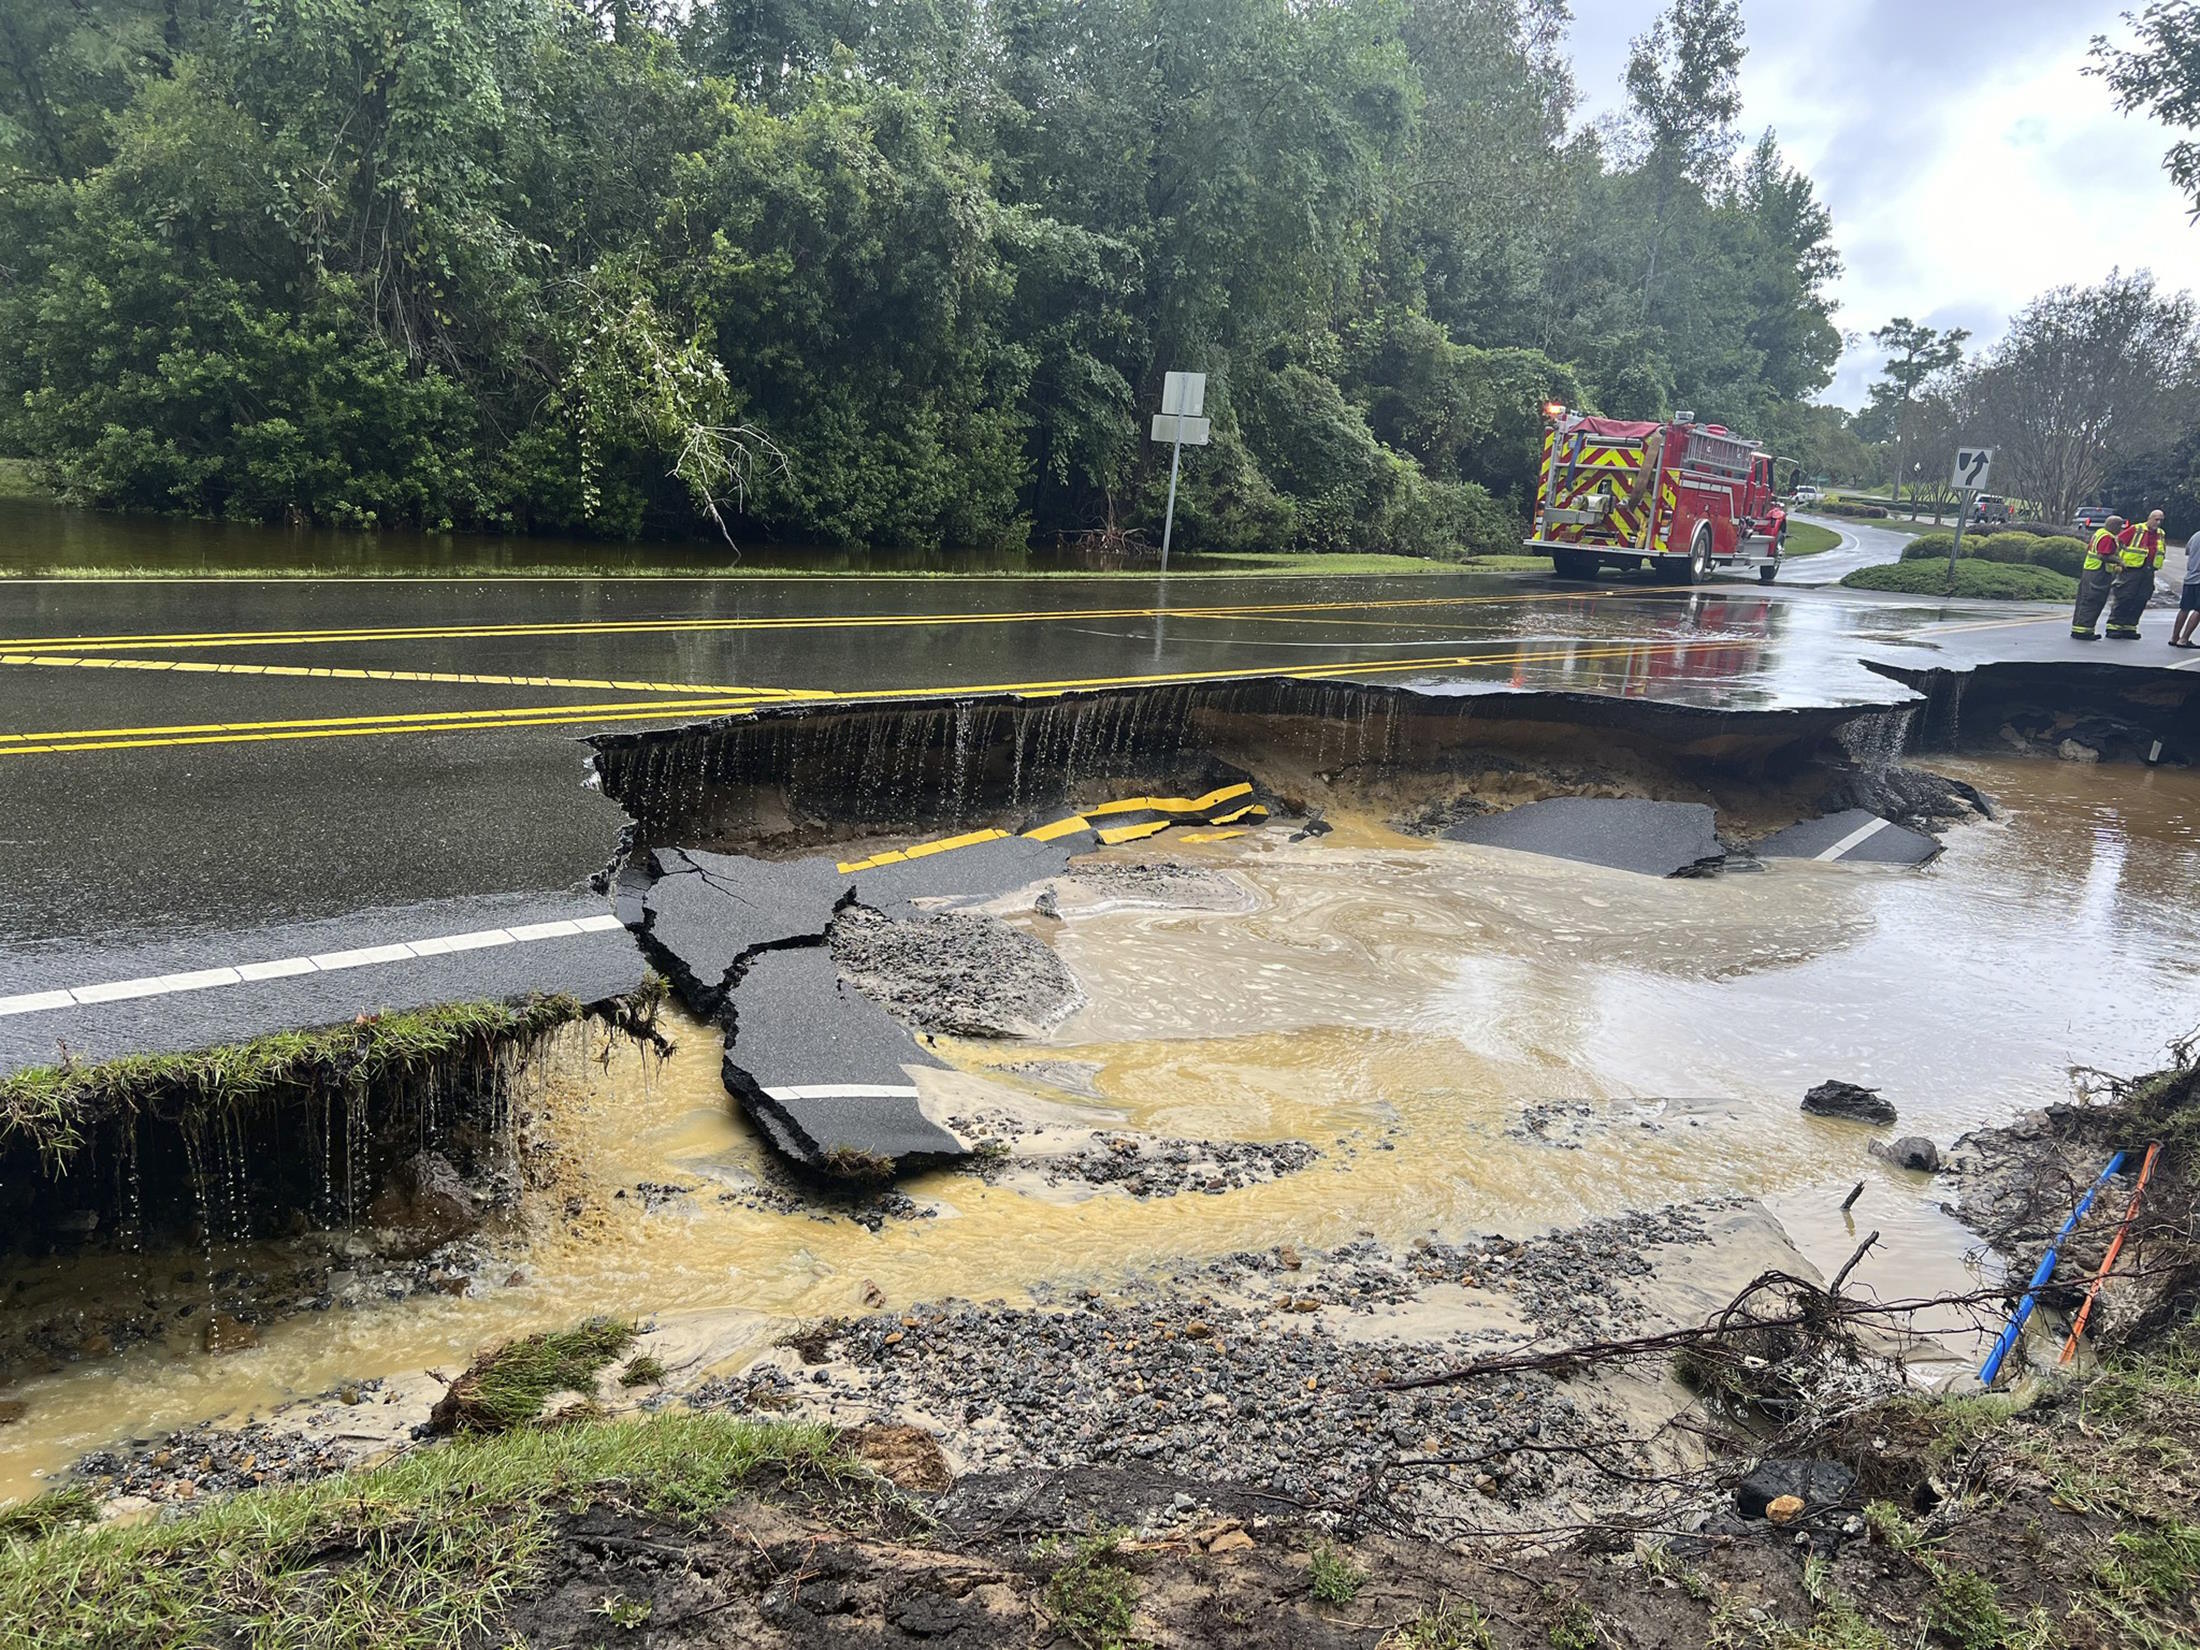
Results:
1261 1369
1009 1148
955 972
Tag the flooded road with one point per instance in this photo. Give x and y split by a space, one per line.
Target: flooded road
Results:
1474 1040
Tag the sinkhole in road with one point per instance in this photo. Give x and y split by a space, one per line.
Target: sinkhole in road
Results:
1281 1038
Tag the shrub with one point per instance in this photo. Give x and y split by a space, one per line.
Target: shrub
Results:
1989 580
2064 554
1929 547
1855 512
2010 549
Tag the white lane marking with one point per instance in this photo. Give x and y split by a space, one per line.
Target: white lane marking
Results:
30 1002
479 940
364 956
845 1091
282 968
1856 838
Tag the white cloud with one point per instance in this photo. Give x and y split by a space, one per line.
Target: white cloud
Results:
1968 161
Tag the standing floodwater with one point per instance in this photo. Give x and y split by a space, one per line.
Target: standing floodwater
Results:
1470 1040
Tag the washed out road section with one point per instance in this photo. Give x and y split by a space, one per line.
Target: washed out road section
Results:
260 811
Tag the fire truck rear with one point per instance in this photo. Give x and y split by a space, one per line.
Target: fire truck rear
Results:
1679 498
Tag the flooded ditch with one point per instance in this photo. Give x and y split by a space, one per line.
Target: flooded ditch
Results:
1310 1062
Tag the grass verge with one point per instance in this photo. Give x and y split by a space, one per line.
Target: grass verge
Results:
1984 580
48 1107
1804 539
419 1555
507 1387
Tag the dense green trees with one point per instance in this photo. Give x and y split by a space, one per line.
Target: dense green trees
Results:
860 273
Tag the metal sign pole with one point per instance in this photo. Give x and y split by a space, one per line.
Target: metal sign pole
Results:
1168 521
1973 466
1955 550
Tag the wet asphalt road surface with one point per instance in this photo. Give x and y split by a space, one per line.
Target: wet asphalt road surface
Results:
188 764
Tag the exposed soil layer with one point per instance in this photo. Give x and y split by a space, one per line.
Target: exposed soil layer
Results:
2086 711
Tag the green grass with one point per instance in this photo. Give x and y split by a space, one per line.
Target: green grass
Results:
1805 539
1446 1627
1093 1598
49 1106
1990 581
506 1388
643 1371
1576 1628
17 481
1336 1579
422 1554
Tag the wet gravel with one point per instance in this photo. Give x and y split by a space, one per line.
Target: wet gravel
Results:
1252 1371
1142 1165
207 1460
956 973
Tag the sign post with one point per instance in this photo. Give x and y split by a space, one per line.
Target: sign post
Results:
1183 400
1973 466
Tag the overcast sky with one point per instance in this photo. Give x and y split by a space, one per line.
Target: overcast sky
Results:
1967 162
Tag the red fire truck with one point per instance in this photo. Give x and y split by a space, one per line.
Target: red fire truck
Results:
1680 498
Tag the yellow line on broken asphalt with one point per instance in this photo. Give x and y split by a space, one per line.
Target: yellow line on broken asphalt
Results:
341 674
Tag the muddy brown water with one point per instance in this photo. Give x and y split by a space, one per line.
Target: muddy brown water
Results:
1396 1003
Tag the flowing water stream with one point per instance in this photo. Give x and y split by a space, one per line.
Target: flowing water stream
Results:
1475 1041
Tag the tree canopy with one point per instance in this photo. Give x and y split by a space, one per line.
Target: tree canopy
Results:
907 274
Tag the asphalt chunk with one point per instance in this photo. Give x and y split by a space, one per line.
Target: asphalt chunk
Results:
824 1070
1659 839
1854 835
705 912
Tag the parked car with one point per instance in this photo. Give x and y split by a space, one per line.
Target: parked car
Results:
2091 516
1805 494
1991 510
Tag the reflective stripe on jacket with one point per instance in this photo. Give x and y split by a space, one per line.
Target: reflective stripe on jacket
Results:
2141 546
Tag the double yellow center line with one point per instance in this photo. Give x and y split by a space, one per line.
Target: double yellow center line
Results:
730 702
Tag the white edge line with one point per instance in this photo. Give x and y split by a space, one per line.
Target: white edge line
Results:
1855 839
280 968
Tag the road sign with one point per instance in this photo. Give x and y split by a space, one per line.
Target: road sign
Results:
1973 466
1192 432
1184 393
1183 399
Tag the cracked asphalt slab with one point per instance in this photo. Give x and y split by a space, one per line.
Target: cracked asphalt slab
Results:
1854 836
1658 839
167 809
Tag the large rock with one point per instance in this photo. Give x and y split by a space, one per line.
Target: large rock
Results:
1912 1151
1817 1484
1848 1100
423 1205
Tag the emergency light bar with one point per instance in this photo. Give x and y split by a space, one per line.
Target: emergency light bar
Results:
1554 409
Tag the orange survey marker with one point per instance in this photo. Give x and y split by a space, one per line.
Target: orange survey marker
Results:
2077 1326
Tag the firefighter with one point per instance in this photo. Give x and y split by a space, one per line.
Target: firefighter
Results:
2138 553
2095 581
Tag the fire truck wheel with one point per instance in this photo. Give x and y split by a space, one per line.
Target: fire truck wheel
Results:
1573 564
1699 554
1767 573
